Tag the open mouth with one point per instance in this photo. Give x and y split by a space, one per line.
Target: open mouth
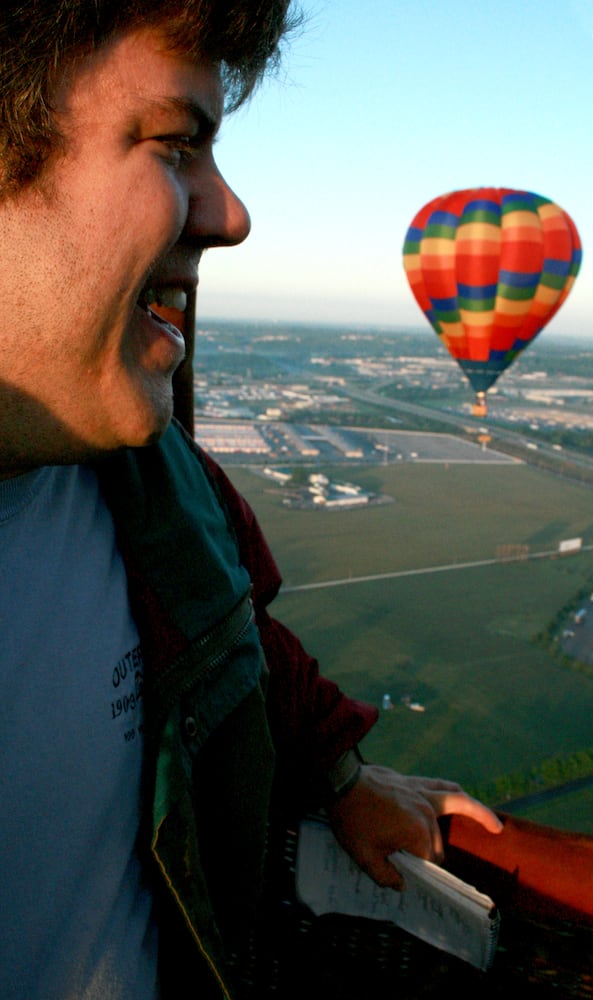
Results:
169 297
162 329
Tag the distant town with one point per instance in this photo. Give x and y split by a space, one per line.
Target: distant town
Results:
283 396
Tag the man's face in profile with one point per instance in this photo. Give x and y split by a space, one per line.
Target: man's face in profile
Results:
119 219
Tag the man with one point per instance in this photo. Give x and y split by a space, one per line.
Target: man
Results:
139 719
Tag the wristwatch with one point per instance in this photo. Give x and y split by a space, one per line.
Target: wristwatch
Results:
343 775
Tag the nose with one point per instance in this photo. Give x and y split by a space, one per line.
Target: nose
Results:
216 216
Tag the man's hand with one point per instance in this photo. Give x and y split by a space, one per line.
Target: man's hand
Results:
386 811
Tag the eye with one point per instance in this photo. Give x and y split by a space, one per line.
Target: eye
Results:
181 150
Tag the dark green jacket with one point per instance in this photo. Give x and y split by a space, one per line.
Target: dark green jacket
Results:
210 756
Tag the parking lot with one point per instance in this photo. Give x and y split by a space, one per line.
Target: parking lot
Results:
577 636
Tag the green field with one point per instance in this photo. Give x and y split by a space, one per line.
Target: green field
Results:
461 641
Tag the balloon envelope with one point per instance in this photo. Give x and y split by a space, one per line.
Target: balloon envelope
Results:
489 267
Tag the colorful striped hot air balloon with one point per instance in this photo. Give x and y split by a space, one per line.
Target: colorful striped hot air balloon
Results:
489 267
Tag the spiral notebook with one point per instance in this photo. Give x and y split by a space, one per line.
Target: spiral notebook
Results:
434 905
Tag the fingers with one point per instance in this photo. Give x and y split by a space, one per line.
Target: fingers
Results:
434 784
427 841
438 850
386 811
385 874
448 798
458 803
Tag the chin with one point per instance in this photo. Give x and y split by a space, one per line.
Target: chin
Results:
156 435
150 434
148 422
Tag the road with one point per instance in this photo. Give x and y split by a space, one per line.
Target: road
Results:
546 795
560 459
513 805
450 567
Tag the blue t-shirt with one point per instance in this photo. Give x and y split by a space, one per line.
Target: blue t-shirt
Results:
75 915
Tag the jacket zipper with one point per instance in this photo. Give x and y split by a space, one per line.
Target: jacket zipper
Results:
215 645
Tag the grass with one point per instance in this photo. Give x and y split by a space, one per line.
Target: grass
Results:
495 702
461 641
439 514
571 812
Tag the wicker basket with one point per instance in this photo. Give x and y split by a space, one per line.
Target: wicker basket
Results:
294 956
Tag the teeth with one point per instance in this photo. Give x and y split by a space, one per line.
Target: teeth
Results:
172 297
175 298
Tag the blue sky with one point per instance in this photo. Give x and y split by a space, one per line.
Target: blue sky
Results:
380 106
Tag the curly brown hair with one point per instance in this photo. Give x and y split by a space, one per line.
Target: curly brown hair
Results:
41 39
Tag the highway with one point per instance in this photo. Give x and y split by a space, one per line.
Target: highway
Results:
519 805
561 460
352 580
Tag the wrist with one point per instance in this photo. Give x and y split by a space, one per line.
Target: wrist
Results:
343 775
